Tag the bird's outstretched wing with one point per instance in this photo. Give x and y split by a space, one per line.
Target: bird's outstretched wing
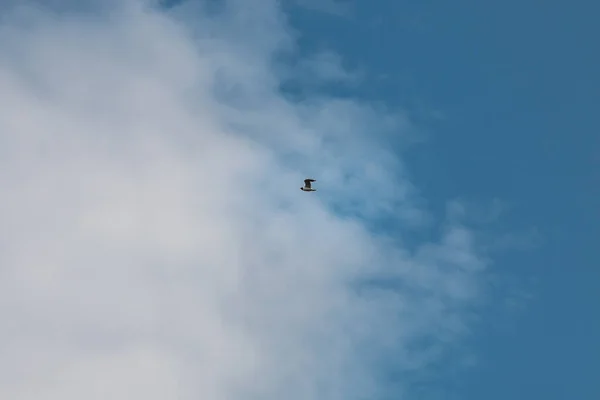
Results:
307 182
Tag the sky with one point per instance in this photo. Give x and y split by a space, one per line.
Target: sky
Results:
155 243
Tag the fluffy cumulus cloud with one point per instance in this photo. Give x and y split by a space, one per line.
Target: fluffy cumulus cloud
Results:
154 242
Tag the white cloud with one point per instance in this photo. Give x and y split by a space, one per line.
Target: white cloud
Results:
155 243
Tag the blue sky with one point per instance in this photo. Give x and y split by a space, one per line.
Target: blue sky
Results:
508 92
173 255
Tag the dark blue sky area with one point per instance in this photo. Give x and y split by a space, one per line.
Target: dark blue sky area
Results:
516 84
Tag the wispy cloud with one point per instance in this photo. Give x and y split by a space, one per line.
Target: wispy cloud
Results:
155 243
339 8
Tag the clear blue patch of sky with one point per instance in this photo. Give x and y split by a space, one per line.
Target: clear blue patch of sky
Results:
508 92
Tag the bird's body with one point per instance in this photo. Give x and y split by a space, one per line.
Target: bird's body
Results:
307 186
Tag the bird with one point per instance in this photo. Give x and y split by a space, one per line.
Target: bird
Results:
307 186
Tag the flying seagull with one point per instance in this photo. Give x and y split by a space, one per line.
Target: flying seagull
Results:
307 187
